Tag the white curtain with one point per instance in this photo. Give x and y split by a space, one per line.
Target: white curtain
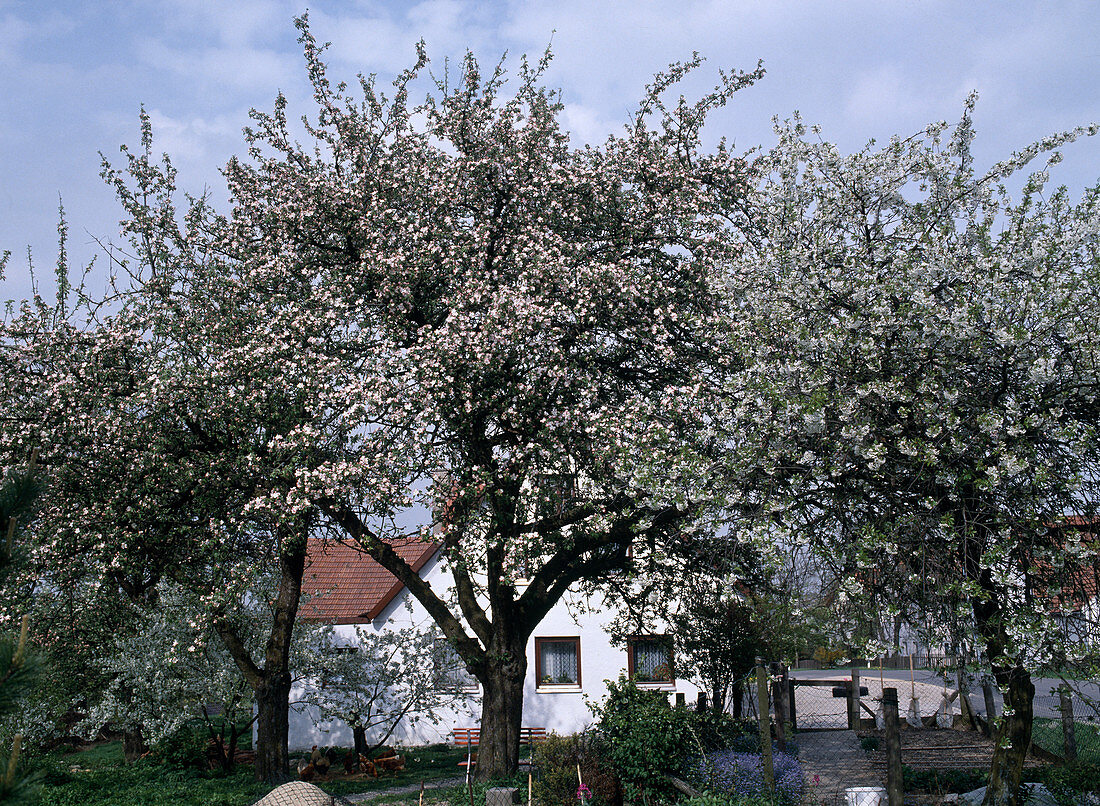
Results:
558 662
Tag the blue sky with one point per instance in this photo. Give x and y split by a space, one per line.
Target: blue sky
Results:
73 76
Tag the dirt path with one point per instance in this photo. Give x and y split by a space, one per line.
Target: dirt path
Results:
832 761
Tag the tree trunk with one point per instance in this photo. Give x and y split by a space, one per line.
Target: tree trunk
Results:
360 738
501 712
133 744
271 683
738 699
272 726
1013 738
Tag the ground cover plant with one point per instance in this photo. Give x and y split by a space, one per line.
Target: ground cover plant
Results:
98 775
733 774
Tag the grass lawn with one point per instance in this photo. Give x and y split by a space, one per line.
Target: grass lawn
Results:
1047 733
98 776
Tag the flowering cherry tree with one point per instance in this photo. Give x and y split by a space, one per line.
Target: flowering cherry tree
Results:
930 355
442 306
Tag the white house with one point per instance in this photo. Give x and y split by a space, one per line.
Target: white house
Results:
570 654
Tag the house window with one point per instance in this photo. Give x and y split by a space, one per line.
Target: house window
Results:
558 662
649 659
449 669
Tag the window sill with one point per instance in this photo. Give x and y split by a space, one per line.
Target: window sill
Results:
667 685
558 688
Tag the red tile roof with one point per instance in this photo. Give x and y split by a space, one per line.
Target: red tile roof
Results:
343 585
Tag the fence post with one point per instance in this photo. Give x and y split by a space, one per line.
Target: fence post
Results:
790 704
895 789
765 724
778 689
963 687
853 701
990 707
1069 736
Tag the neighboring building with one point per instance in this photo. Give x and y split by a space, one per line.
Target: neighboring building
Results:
570 654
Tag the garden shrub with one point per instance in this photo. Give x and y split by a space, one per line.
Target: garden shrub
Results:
648 739
184 749
944 781
715 731
556 761
1069 782
869 743
741 775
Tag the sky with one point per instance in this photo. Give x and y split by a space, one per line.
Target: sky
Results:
74 75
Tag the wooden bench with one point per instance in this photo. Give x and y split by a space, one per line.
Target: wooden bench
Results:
470 738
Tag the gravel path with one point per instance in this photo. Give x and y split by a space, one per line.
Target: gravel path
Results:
409 789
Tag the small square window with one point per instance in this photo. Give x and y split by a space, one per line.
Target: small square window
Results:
558 662
649 659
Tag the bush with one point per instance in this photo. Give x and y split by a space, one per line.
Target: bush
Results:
942 782
1068 782
647 738
715 731
556 760
185 749
741 775
869 743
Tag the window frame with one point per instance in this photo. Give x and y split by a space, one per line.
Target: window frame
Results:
663 639
557 639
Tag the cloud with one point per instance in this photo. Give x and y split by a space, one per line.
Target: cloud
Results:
237 68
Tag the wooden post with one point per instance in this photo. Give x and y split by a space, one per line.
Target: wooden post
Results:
765 725
853 701
965 708
1069 736
778 687
792 712
990 707
895 789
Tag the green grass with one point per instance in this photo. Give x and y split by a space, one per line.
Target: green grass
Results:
1047 734
99 776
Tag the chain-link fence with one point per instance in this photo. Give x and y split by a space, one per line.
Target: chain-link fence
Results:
1067 725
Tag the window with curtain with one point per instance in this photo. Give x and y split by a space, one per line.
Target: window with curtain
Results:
650 659
558 661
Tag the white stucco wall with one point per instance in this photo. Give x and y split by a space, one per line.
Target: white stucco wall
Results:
563 711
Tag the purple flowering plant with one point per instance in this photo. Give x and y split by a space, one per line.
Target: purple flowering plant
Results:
742 775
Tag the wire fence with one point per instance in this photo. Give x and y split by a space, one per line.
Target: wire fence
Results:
1067 725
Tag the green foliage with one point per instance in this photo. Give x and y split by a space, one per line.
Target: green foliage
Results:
943 781
648 738
556 760
869 743
1068 782
99 776
183 749
714 731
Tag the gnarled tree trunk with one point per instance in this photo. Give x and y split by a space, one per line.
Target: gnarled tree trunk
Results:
501 710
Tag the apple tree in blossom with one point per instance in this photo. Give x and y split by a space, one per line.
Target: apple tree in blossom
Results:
929 361
438 306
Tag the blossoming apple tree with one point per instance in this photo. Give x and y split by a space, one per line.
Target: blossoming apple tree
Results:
929 350
442 306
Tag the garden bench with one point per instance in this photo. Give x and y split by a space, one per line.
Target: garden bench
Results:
470 737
